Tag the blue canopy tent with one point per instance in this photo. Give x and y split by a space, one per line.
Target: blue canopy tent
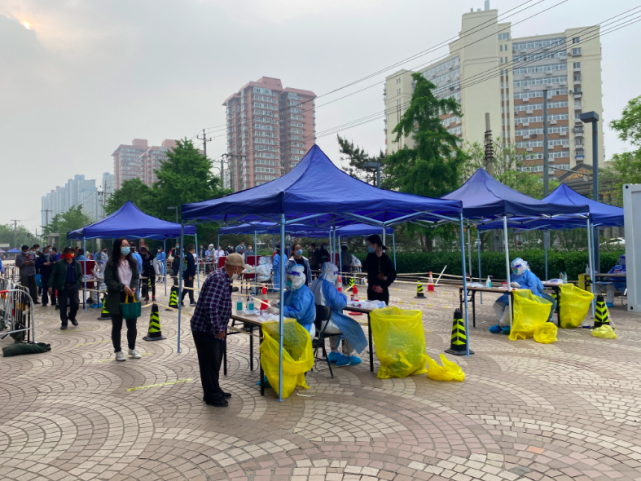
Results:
601 215
130 222
314 193
484 198
15 250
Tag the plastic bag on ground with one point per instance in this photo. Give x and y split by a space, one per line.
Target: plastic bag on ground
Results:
604 332
574 305
449 371
298 357
546 334
400 342
530 313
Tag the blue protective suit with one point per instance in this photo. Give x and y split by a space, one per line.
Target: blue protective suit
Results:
299 305
527 280
276 269
336 301
138 259
618 285
161 259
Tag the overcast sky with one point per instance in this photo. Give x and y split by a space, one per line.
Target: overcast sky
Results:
90 75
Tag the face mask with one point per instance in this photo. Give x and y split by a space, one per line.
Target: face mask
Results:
299 252
288 284
125 250
516 271
370 249
69 256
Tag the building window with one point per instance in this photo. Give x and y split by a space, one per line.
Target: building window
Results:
399 92
577 64
576 39
501 47
577 78
504 36
577 52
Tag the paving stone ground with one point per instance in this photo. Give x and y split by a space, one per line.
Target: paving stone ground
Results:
526 411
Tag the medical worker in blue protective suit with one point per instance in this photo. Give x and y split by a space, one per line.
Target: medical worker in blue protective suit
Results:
276 267
299 300
521 278
615 286
326 294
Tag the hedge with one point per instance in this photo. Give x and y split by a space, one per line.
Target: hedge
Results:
493 263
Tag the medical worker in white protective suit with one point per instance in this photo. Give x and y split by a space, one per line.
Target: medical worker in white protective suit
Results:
521 278
299 300
264 270
326 294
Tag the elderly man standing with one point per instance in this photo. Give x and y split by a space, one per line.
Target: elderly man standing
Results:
209 325
26 262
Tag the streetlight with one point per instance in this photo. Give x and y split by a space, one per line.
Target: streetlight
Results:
176 209
377 166
593 118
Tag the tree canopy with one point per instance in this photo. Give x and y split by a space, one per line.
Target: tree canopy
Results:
73 219
357 157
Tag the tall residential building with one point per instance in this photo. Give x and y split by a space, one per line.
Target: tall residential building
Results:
138 160
489 71
269 130
77 192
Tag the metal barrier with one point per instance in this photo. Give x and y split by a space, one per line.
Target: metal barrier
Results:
17 311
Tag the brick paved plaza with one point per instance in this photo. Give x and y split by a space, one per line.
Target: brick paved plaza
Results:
563 411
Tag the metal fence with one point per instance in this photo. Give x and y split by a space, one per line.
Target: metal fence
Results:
16 312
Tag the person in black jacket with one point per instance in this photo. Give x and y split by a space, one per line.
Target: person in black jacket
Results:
149 272
44 264
189 272
380 270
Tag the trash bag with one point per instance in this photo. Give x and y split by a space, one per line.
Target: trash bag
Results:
22 348
546 334
449 371
298 357
400 342
604 332
530 313
574 305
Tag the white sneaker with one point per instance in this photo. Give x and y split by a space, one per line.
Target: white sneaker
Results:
120 356
134 354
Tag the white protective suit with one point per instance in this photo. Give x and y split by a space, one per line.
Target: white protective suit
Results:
264 270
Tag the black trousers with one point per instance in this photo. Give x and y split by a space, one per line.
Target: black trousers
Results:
70 295
188 283
210 356
30 283
375 296
116 328
45 293
345 269
145 286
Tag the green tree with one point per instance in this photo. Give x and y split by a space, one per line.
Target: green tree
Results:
73 219
21 236
135 191
626 167
357 158
432 167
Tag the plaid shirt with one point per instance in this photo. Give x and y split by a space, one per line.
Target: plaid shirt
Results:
214 304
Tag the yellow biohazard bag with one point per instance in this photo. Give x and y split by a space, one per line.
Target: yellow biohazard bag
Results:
449 371
298 357
604 332
546 334
530 313
574 304
400 342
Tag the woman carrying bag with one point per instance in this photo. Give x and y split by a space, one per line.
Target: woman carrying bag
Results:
121 279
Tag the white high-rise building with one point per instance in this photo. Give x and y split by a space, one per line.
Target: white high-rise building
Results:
488 70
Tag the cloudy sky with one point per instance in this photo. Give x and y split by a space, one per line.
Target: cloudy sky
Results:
89 75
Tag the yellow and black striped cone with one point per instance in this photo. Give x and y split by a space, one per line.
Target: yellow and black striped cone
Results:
419 291
602 315
351 283
458 346
154 333
173 297
104 314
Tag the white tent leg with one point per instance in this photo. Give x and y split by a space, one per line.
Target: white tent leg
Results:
478 241
180 278
282 306
591 262
84 274
467 325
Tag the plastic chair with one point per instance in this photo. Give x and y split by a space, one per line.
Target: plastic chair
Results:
323 315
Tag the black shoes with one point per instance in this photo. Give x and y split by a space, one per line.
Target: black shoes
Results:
74 322
226 395
63 327
219 403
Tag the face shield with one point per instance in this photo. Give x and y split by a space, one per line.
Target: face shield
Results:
518 266
330 272
622 260
296 277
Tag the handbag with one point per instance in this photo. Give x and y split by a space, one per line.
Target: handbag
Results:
39 280
130 310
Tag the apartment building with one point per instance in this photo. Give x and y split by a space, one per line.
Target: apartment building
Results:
138 160
269 130
489 70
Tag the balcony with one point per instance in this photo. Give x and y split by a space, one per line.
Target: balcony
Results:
525 137
526 100
552 122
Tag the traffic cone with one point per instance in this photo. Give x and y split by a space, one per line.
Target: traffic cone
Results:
340 284
355 290
154 333
264 302
419 291
104 314
430 279
173 298
351 283
459 336
602 315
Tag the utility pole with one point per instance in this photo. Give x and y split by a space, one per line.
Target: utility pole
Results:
205 140
15 233
232 167
489 165
593 118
